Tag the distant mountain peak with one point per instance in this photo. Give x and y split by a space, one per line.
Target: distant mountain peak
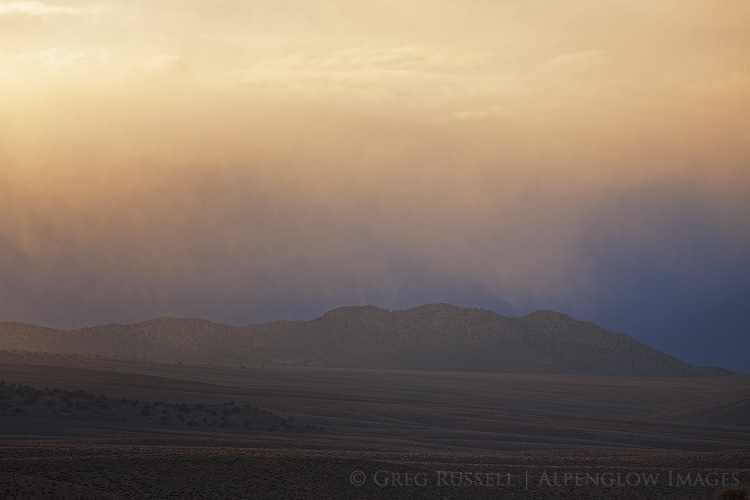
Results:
429 337
437 306
548 314
344 310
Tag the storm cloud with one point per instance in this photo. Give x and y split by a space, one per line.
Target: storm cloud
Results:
246 162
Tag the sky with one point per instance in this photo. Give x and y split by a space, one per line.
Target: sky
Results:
247 161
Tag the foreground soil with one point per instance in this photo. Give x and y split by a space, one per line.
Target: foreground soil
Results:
106 429
73 468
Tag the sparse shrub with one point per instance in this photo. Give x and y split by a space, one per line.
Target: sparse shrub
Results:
735 493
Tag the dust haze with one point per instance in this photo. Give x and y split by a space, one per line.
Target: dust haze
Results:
247 162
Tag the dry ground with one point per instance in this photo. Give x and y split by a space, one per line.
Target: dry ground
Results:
403 434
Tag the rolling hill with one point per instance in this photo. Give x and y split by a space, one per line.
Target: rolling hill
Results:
438 337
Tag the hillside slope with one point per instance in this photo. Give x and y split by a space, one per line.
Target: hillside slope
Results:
429 337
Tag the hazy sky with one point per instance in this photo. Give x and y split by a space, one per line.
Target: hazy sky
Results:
245 161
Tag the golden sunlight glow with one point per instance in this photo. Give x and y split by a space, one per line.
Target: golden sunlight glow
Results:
296 138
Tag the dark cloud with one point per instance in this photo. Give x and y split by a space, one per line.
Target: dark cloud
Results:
248 175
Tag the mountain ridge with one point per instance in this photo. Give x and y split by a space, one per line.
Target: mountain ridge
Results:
438 336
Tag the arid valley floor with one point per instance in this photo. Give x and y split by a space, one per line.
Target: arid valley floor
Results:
88 428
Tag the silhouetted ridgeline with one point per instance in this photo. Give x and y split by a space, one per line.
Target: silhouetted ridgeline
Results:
430 337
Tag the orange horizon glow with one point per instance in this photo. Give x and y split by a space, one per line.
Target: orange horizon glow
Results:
237 147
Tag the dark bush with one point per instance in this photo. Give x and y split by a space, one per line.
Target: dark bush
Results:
736 493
